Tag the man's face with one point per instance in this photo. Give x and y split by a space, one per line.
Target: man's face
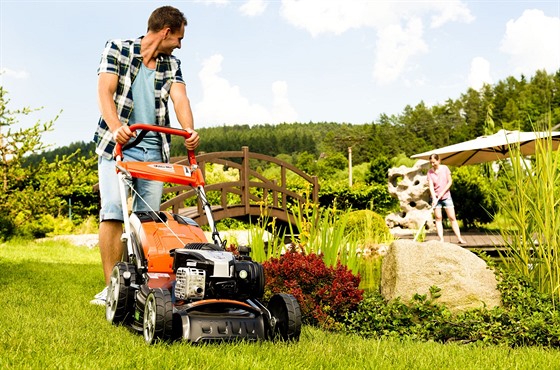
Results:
172 41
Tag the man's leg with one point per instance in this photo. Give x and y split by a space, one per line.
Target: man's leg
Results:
110 225
110 245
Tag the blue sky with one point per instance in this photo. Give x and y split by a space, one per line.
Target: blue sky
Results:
261 61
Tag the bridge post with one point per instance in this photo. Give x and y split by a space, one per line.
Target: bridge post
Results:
315 189
245 197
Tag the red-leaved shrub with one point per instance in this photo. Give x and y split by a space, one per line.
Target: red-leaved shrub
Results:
324 293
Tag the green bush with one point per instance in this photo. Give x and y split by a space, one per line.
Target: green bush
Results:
7 227
37 227
473 196
378 171
45 225
527 318
368 227
375 197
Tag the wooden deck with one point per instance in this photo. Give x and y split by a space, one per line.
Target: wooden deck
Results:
476 240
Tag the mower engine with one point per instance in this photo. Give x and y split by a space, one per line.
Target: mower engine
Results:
205 271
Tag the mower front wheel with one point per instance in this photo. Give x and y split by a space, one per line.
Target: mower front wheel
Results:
286 317
158 316
120 296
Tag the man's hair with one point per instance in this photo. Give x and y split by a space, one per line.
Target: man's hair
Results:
166 16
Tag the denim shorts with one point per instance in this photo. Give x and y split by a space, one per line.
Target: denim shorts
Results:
445 203
149 191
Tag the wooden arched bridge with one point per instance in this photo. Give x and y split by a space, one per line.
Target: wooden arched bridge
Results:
250 195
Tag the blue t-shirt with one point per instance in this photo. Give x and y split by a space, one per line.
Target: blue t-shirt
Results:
144 111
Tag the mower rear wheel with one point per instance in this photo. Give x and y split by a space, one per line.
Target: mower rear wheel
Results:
286 317
158 316
120 296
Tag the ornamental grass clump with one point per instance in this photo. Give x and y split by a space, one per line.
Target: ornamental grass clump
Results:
323 231
325 293
531 206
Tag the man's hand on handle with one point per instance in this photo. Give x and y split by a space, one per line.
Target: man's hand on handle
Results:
123 134
192 142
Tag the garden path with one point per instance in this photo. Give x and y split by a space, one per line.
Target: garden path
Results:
487 241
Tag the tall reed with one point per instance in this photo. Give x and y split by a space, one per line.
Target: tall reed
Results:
266 240
325 231
532 206
321 231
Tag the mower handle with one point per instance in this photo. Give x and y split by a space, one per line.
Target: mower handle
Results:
162 129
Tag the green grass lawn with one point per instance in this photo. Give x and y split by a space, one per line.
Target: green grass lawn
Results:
46 321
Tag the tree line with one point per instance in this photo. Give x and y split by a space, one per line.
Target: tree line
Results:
319 148
512 104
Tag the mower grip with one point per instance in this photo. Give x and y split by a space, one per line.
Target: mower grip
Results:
162 129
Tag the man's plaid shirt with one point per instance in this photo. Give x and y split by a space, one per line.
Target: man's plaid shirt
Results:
122 57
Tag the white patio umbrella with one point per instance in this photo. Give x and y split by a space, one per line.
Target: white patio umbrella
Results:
491 147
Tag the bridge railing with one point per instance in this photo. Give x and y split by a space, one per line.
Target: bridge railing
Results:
252 188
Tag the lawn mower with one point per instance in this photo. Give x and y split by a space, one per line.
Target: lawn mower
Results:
173 284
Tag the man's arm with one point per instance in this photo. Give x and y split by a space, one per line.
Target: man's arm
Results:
106 87
183 111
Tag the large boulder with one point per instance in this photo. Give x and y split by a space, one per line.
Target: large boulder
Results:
465 280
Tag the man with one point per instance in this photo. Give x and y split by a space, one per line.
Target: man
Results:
135 80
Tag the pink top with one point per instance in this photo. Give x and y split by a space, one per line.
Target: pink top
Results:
439 180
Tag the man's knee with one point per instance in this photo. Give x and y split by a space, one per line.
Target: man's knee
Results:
110 231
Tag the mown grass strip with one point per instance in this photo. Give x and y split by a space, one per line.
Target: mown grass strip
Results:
46 321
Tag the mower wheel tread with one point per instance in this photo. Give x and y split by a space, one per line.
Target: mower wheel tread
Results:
120 297
158 316
285 310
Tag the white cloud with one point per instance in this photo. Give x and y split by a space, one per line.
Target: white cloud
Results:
395 46
533 42
18 75
450 11
282 110
479 73
399 25
338 16
253 8
326 16
223 103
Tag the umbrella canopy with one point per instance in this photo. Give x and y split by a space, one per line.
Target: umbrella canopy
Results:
491 147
